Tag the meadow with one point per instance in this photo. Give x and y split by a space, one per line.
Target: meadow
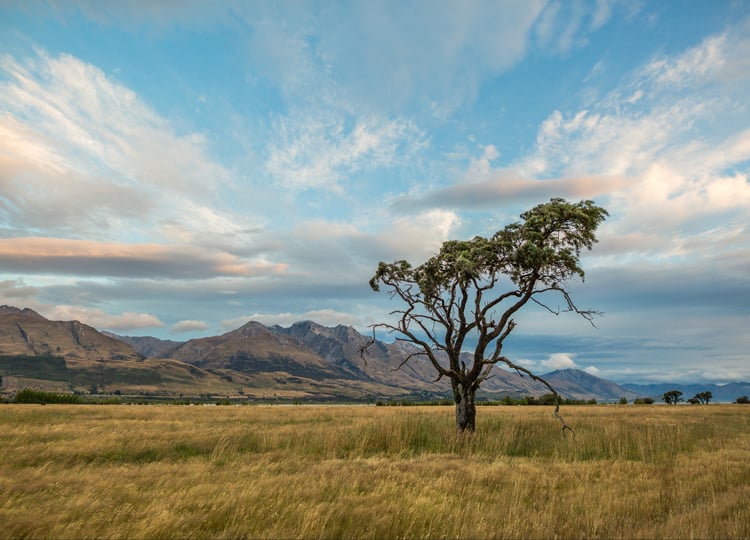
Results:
166 471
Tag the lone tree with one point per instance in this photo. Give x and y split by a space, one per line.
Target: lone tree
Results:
470 290
672 397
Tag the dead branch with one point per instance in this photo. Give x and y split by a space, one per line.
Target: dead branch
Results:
521 370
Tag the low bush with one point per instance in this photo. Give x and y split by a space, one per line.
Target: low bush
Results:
27 395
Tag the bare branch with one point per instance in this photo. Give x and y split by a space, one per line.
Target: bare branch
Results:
521 370
587 314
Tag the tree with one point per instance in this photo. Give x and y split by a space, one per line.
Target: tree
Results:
672 397
470 291
701 397
743 399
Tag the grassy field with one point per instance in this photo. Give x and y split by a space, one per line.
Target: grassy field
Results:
373 472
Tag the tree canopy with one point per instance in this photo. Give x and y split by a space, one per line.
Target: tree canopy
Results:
470 291
673 397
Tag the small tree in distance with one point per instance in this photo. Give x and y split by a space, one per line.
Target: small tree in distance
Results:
470 290
672 397
702 398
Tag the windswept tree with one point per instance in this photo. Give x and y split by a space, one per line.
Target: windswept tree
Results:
469 292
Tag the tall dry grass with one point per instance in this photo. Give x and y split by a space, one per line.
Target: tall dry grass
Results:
373 472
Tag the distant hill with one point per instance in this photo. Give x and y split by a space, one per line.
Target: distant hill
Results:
146 345
577 384
306 361
726 393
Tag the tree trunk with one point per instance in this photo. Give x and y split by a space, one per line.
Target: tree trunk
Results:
466 411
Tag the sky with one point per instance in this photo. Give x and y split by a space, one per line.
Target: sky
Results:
179 168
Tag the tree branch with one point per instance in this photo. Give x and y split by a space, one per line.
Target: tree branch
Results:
521 370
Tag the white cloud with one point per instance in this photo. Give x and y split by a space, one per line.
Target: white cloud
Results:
680 157
189 325
13 291
563 26
83 155
337 252
319 152
100 320
559 361
16 293
422 53
722 58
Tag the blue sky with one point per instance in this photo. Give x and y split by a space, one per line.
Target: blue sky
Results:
179 168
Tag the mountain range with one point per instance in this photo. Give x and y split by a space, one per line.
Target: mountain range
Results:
305 362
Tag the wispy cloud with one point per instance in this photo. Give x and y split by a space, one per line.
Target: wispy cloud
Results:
189 325
310 152
84 257
430 55
95 155
99 319
667 164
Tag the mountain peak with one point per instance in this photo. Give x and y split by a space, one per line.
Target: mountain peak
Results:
25 312
308 326
249 329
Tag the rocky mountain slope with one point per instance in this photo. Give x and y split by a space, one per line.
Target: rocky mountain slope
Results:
306 361
25 332
146 345
577 384
65 356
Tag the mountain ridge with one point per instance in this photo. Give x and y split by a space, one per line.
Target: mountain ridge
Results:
304 361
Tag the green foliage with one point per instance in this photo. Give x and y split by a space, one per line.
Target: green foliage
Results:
28 395
544 248
701 397
623 401
743 399
644 401
672 397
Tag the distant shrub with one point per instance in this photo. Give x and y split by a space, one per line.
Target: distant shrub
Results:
27 395
644 401
623 401
743 399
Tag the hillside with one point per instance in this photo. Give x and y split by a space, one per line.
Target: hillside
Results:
25 332
146 345
577 384
305 361
68 356
726 393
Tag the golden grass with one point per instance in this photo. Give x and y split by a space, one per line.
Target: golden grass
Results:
373 472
